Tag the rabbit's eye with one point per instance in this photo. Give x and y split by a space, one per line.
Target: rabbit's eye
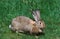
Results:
40 23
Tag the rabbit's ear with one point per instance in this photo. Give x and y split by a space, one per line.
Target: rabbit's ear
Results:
36 15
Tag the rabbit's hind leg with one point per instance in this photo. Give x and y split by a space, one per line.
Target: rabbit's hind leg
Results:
19 31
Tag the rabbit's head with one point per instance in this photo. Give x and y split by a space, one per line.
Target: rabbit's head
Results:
36 30
40 23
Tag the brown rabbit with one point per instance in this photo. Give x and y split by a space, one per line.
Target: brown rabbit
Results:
39 22
23 23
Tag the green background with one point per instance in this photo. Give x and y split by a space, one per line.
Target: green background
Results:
50 13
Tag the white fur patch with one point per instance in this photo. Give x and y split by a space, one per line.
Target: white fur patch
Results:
9 26
40 30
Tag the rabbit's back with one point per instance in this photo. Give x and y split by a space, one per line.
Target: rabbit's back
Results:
22 23
22 19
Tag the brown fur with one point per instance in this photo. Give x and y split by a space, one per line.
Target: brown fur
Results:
35 30
22 23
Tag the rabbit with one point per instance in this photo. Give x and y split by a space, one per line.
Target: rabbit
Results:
24 24
37 18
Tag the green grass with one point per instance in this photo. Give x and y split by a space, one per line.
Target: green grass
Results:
50 13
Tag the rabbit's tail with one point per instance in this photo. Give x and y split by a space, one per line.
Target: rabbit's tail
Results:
9 26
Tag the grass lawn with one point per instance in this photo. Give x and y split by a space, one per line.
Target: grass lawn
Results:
50 13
